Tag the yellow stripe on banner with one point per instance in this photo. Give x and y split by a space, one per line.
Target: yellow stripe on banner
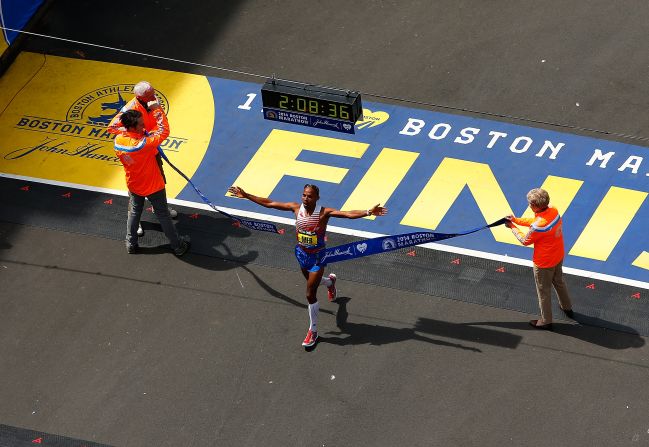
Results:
57 110
608 223
381 179
642 261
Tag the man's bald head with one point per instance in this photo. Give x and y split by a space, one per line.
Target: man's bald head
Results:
144 91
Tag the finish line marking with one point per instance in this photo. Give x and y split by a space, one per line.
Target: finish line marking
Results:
345 231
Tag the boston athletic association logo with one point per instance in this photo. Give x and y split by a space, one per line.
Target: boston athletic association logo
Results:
99 106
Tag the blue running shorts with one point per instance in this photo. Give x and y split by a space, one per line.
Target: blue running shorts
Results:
309 261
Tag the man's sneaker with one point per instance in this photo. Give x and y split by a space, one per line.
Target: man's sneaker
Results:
173 213
311 338
332 293
140 231
183 247
131 249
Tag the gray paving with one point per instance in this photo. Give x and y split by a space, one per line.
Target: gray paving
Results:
154 350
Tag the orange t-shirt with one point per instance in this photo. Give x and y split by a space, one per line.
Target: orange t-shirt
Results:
137 152
546 234
115 125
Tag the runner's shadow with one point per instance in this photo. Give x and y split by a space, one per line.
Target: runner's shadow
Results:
279 295
592 330
468 332
374 334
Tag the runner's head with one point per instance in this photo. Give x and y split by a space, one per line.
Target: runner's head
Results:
310 195
144 91
132 121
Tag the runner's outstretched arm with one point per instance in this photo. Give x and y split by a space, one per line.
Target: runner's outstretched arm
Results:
376 210
264 201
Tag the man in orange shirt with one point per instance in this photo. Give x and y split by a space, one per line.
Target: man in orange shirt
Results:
144 93
137 151
545 232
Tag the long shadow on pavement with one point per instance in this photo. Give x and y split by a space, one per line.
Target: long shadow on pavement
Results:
592 330
374 334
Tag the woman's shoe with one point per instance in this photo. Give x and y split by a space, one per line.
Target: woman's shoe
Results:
535 325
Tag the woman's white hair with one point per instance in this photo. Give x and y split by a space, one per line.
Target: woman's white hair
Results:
142 88
538 197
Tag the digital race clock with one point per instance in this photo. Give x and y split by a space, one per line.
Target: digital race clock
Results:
309 105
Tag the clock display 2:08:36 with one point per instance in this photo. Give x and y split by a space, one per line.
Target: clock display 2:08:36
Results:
315 107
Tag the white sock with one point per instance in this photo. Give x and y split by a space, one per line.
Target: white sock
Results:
313 316
326 281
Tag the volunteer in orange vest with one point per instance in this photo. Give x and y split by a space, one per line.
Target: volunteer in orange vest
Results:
144 92
137 150
546 234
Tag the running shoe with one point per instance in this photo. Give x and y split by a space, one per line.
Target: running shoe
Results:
332 293
311 338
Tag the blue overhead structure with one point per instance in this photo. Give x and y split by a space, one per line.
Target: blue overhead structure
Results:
15 14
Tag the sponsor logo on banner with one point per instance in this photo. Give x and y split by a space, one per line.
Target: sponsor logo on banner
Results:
389 244
361 247
348 253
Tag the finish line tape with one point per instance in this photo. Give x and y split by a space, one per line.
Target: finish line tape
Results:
389 243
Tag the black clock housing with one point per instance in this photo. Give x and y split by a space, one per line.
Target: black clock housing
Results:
312 100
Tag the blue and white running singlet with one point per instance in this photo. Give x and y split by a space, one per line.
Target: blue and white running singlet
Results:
310 239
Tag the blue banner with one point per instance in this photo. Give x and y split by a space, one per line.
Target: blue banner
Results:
385 244
15 14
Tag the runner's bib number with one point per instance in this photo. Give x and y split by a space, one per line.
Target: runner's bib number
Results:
307 238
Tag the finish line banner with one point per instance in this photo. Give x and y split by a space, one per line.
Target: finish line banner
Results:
436 172
385 244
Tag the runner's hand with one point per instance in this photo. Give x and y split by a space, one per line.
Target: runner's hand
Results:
152 105
377 210
236 191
